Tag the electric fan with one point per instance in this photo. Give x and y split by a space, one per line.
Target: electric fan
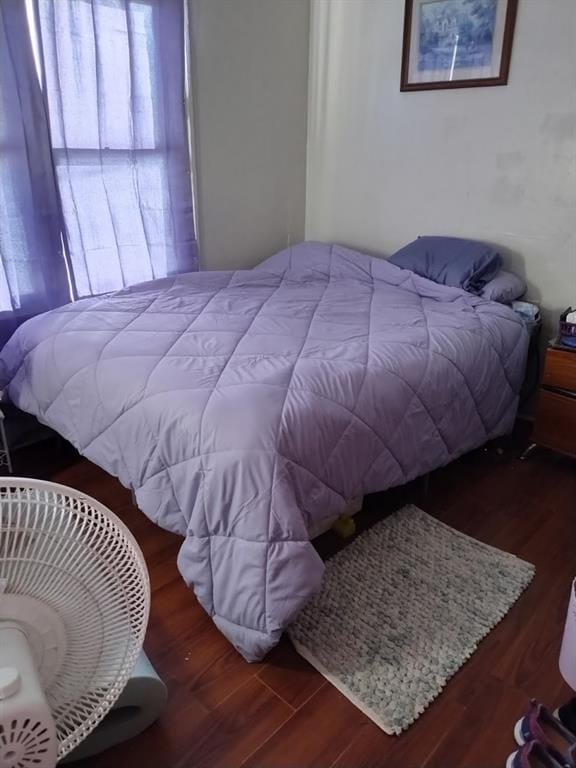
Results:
74 602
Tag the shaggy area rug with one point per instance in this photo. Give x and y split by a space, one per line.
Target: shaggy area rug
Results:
400 611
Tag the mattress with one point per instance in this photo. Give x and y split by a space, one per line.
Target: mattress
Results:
245 408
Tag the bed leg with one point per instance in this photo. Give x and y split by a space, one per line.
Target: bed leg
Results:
532 447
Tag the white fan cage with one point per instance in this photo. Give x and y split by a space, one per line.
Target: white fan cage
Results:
74 555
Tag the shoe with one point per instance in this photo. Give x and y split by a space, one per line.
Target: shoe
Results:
567 715
533 754
539 725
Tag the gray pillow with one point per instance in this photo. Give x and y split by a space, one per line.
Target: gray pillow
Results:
506 287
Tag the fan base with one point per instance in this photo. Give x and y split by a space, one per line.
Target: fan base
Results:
44 630
27 730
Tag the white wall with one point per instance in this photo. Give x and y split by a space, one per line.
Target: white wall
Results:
250 90
497 164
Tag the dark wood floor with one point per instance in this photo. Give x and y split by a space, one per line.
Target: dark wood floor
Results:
224 712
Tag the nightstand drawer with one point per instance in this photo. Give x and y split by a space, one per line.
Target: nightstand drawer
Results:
560 370
556 422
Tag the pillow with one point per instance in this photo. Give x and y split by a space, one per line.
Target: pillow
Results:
506 287
467 264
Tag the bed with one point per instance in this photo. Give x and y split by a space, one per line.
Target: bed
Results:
245 409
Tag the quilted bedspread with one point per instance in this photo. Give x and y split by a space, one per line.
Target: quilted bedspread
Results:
245 408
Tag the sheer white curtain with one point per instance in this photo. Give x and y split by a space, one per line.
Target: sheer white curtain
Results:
32 266
115 88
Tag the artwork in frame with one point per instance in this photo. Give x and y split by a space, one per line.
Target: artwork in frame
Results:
457 43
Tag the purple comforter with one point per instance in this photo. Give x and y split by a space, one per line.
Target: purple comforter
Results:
245 408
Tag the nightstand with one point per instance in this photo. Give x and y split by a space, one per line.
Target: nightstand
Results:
555 425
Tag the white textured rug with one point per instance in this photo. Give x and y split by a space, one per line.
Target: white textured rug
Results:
401 609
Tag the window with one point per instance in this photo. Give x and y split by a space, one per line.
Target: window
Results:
113 75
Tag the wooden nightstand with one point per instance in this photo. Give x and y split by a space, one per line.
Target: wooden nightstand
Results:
555 425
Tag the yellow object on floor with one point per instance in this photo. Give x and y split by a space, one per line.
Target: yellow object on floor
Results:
345 527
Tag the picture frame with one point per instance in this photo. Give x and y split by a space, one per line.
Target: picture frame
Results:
457 43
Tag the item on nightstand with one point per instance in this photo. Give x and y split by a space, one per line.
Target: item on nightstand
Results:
568 328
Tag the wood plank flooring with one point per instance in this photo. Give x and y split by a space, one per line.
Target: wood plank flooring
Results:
225 713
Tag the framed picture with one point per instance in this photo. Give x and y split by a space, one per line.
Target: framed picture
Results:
457 43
